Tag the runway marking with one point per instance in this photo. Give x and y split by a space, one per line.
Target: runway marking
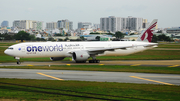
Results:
136 65
29 65
68 64
159 76
151 80
174 66
49 76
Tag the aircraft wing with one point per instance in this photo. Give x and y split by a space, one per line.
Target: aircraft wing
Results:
101 50
124 47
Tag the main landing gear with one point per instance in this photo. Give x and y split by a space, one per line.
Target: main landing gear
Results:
18 60
94 60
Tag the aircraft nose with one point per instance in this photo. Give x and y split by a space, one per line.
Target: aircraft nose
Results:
6 51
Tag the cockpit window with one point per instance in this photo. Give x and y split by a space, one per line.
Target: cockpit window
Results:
10 48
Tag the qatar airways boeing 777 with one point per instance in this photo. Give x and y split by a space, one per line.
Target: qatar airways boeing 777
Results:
82 51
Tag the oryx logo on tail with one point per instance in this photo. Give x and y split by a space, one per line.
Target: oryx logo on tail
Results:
147 34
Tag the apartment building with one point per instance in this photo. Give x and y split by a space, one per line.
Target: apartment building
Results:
28 24
65 24
51 25
114 24
84 25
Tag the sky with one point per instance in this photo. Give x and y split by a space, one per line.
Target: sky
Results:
166 11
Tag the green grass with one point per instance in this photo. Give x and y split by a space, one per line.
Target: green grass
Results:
172 45
6 44
25 89
112 68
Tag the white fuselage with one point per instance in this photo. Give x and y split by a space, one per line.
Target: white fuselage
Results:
62 49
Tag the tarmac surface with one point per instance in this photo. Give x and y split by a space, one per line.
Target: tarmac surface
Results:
168 63
121 77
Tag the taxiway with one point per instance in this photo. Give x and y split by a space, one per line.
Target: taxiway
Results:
121 77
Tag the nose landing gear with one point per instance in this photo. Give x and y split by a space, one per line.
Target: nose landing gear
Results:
18 60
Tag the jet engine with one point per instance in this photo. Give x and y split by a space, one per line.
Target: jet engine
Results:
80 56
56 58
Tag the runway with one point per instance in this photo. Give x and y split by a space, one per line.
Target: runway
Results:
170 63
121 77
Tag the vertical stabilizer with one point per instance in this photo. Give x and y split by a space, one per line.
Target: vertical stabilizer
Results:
147 35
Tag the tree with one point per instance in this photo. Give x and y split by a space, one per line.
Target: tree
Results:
160 38
58 34
163 37
118 35
154 38
6 36
32 37
160 31
98 38
82 38
66 39
22 35
38 39
50 39
94 33
60 39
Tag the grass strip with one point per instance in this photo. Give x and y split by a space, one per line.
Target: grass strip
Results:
112 68
25 89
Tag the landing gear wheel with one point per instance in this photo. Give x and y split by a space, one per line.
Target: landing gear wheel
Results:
97 61
80 61
94 61
18 62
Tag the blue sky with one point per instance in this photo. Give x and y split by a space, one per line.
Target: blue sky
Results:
166 11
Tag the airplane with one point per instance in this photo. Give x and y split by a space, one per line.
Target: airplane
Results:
82 51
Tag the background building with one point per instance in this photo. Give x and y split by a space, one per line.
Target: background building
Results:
173 30
51 25
145 23
5 24
114 24
28 24
96 26
134 23
38 25
65 24
84 25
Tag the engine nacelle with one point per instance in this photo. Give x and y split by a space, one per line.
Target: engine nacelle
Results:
80 56
56 58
